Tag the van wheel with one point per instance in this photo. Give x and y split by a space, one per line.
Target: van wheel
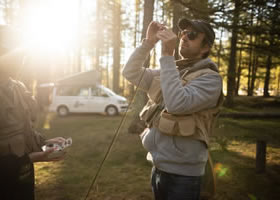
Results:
111 110
62 111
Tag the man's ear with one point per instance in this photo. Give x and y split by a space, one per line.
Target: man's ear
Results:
205 48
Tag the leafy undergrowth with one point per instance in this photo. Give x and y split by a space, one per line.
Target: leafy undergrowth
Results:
126 173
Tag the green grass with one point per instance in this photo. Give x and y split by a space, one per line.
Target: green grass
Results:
236 165
255 104
126 173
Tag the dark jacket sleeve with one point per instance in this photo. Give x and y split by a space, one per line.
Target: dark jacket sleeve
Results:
31 103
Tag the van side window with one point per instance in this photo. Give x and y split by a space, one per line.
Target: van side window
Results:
83 92
66 91
102 93
71 91
95 91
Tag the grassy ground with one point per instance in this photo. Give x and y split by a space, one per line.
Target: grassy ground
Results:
255 104
126 173
234 151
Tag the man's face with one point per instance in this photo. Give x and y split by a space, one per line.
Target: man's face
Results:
191 44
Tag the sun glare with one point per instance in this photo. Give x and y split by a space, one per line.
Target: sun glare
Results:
51 26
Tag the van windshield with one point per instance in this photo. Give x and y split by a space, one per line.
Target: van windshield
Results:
108 91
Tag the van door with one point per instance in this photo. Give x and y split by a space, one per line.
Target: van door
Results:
74 97
98 100
80 103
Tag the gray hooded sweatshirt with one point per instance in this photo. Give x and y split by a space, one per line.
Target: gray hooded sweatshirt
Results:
175 154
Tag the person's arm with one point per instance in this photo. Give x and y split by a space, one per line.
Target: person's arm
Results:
43 156
133 71
38 138
201 93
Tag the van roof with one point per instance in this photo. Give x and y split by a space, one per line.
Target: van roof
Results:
83 78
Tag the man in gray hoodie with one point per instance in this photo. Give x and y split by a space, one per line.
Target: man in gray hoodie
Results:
183 102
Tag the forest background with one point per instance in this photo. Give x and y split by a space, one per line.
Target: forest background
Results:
68 37
65 37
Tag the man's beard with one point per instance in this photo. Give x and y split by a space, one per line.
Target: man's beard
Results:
187 54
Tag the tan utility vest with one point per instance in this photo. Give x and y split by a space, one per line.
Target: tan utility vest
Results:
197 125
17 113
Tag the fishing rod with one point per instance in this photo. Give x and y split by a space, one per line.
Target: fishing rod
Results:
117 132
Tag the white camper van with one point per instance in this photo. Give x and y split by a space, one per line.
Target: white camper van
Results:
86 99
77 95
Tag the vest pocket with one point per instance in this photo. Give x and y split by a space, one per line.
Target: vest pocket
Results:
187 126
149 112
166 125
176 125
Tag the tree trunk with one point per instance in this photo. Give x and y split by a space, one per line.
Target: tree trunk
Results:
79 47
137 126
272 43
177 10
250 91
148 17
220 48
8 11
107 67
239 72
261 156
98 33
232 61
116 46
278 84
254 73
137 10
221 39
267 77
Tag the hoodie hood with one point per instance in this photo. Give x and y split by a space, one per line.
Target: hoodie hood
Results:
196 64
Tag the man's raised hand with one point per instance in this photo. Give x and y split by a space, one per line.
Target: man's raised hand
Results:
151 34
169 40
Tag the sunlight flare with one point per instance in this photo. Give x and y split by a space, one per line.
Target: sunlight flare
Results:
220 170
52 25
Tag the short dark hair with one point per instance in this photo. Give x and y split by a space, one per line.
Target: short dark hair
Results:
200 26
203 43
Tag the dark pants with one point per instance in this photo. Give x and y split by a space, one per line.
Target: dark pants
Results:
16 178
168 186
